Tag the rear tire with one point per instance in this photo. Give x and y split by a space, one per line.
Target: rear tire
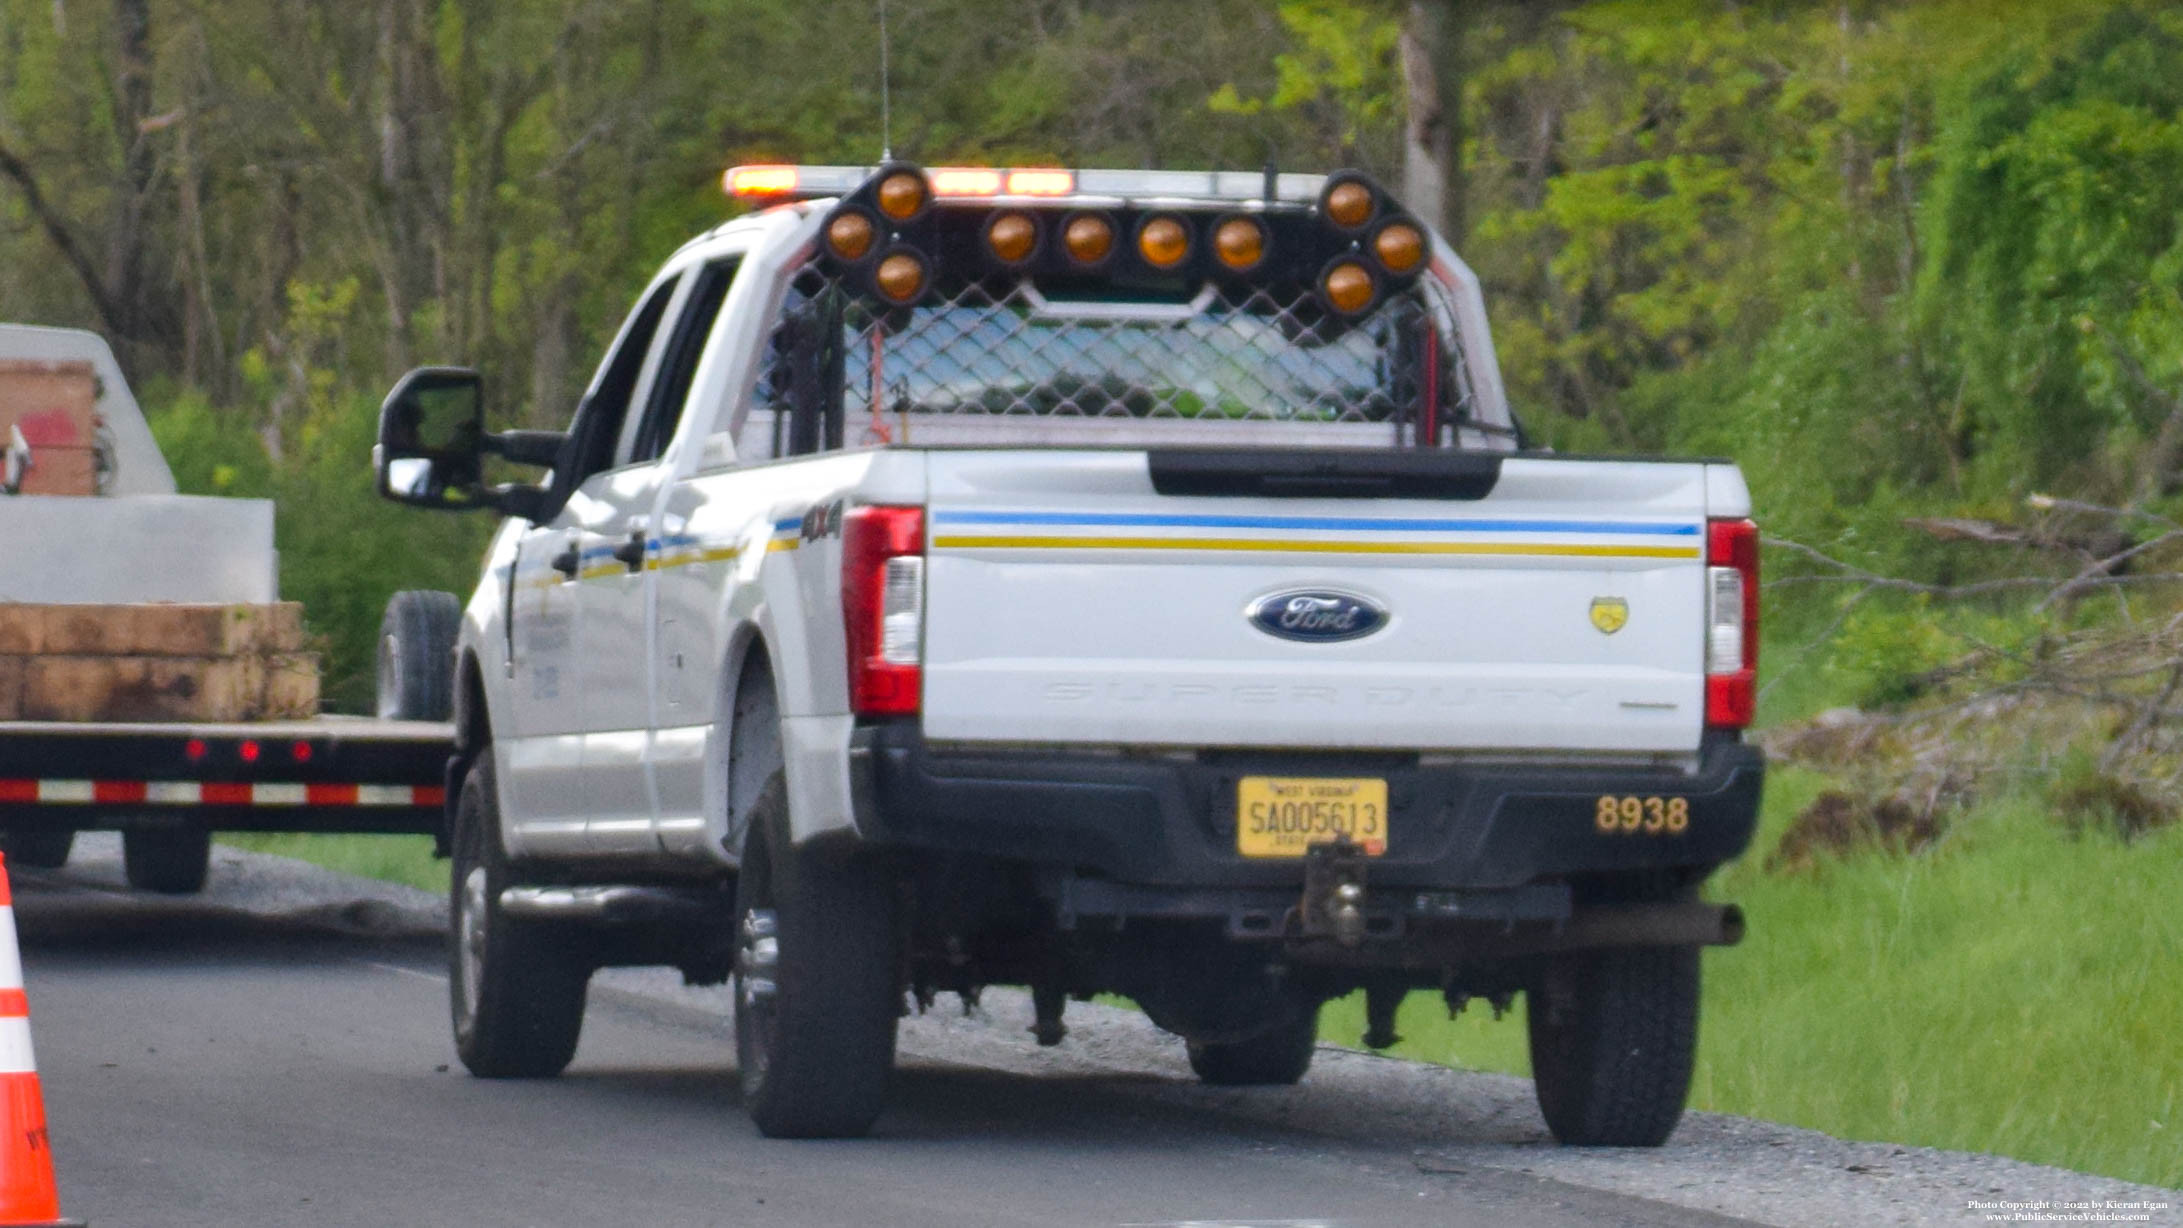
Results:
171 861
417 656
515 987
816 992
1278 1057
39 850
1614 1034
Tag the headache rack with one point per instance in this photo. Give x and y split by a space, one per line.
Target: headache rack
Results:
996 361
940 316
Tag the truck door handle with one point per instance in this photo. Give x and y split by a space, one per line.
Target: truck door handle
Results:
631 552
568 561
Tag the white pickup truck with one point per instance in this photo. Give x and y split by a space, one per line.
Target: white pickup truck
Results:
1098 581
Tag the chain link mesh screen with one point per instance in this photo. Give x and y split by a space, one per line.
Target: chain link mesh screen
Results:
999 348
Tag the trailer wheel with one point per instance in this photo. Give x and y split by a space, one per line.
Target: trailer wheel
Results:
1613 1037
417 656
515 987
816 996
41 850
171 861
1279 1055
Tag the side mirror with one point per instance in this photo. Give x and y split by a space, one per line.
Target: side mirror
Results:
432 446
431 450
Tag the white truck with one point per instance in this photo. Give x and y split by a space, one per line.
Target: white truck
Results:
1097 581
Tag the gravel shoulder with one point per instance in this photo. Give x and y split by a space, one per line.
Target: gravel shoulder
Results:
1382 1111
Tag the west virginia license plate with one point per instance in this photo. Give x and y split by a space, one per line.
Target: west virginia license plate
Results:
1281 816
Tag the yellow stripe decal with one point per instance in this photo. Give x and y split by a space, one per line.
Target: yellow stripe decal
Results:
687 558
1314 547
782 543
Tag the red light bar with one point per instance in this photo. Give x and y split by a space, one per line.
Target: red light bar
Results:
1041 182
761 180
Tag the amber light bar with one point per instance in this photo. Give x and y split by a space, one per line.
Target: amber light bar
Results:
775 182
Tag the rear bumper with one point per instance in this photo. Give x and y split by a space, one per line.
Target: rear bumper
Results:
1145 822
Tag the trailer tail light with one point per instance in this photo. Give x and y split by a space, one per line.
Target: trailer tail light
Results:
883 607
1732 623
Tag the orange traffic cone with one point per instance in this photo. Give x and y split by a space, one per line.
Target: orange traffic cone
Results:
27 1196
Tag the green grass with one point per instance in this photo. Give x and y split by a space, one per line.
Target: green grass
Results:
2014 990
397 859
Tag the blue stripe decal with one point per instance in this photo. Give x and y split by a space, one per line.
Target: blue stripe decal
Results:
793 522
1350 523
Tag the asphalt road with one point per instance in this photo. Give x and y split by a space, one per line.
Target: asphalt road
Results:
205 1066
234 1061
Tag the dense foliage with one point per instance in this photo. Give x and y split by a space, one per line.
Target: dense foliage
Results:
1897 256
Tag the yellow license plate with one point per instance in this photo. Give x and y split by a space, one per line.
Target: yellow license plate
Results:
1281 816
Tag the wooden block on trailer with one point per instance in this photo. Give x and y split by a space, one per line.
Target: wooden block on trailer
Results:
86 630
22 629
291 687
81 688
187 630
277 628
11 688
159 630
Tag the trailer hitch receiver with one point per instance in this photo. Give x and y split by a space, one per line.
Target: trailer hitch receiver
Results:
1334 891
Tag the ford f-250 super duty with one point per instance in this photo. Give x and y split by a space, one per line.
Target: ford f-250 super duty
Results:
1097 581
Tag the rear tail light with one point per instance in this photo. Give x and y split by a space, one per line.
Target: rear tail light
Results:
883 607
1732 623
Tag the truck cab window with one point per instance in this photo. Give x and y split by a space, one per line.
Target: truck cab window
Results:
647 438
797 406
598 423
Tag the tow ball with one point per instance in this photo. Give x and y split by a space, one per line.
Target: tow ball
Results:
1333 902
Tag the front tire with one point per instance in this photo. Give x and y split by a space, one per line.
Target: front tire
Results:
1277 1057
1614 1034
816 993
515 987
43 849
171 861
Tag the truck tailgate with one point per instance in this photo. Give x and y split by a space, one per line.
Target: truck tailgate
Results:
1558 606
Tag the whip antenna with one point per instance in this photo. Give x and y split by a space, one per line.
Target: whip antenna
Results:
886 117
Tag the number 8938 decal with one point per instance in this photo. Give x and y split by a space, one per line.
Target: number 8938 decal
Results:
1642 816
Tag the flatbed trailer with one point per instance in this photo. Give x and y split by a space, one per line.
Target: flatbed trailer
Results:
329 774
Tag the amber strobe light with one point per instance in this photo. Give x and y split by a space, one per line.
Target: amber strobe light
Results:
761 180
901 195
1348 203
1348 287
1011 237
1163 242
900 277
1088 237
1400 248
850 234
1240 243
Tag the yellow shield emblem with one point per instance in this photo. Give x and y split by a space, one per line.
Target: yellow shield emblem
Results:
1610 614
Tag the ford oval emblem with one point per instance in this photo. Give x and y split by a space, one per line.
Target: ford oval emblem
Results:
1317 615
